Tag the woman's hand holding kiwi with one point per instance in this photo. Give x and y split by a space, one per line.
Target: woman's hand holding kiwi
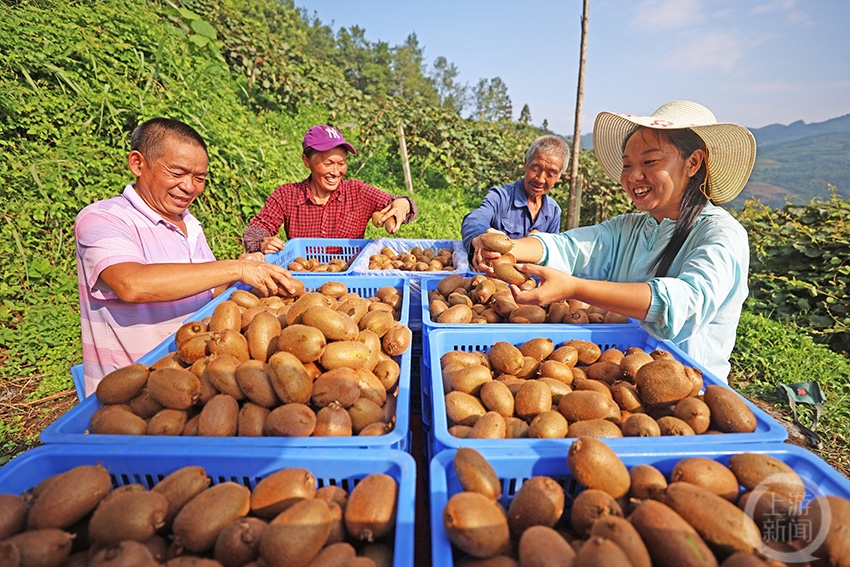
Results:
554 285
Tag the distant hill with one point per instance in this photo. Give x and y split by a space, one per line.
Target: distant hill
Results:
794 162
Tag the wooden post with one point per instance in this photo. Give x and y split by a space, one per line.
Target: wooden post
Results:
574 204
405 163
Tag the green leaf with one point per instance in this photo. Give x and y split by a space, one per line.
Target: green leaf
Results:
187 14
203 28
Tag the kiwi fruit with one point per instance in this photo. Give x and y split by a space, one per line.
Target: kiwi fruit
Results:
640 425
709 474
542 545
463 409
580 405
339 385
470 379
673 426
532 398
538 348
305 342
495 396
388 372
290 420
604 371
48 547
219 417
280 490
455 314
586 352
475 473
491 425
695 413
528 314
13 515
830 515
262 336
496 242
221 373
548 425
729 412
239 543
289 378
476 524
226 315
757 470
117 420
509 274
587 456
167 422
670 540
371 507
597 428
296 535
601 551
174 388
253 377
333 421
198 523
721 524
623 533
646 482
505 358
122 384
538 502
181 486
397 340
72 496
662 382
348 354
128 516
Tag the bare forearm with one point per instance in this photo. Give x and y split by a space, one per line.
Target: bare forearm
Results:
629 299
145 283
527 249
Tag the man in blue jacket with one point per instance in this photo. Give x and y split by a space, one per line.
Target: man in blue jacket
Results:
524 206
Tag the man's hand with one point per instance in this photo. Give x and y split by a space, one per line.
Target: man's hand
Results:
253 256
554 285
267 278
270 245
481 256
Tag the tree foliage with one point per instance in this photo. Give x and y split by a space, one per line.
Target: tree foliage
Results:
490 100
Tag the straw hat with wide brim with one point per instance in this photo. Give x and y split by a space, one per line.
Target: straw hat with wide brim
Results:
731 147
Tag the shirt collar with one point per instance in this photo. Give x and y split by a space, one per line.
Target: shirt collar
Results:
520 199
139 204
306 195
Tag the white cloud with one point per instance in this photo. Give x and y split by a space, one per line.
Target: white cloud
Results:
709 50
658 15
775 5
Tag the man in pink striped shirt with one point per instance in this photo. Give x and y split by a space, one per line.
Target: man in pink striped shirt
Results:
143 262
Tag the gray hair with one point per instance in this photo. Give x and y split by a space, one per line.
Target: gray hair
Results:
550 145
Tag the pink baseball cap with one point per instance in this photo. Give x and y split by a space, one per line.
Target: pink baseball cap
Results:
323 138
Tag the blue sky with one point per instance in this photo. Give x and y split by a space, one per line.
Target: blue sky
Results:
753 62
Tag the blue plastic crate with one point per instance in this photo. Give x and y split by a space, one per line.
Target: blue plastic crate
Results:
428 326
473 339
148 465
514 467
322 249
417 279
73 426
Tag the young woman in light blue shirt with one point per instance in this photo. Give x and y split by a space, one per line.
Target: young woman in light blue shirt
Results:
680 265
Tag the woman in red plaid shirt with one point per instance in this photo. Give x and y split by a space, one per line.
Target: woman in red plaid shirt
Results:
324 205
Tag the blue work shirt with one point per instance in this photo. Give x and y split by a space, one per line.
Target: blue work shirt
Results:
505 208
698 305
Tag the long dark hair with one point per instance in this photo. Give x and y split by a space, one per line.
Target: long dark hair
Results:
696 193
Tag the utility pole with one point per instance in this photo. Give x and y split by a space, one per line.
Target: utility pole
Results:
405 162
574 204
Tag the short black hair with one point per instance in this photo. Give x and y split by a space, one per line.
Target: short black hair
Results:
149 136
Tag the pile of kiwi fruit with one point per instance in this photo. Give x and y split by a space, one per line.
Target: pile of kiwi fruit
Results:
483 299
302 264
540 391
705 513
414 260
76 519
318 363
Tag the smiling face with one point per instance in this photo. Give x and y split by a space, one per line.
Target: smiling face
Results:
170 182
541 174
654 173
326 170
